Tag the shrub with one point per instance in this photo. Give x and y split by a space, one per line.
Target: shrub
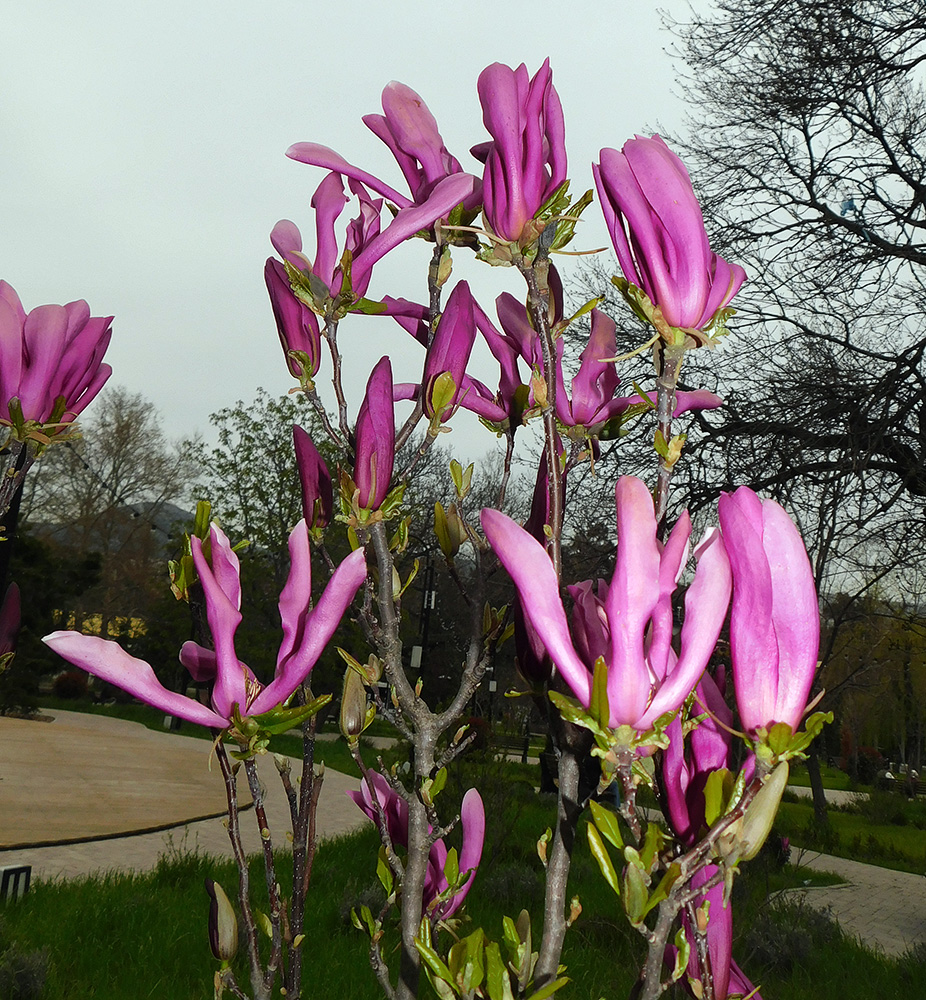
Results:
72 684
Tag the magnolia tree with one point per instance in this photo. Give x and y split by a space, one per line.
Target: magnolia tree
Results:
619 679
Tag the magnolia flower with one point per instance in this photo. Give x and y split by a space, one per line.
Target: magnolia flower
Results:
306 632
658 232
591 401
395 810
409 130
526 161
375 438
630 622
708 749
51 359
775 618
297 325
315 480
365 239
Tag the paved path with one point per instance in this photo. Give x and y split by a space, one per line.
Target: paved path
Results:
88 776
884 908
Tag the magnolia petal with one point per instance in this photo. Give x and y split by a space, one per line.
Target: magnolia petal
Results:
316 630
110 662
530 568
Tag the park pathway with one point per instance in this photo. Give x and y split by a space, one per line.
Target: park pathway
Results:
88 783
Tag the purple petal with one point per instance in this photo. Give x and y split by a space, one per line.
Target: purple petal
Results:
224 618
447 194
706 604
321 156
473 821
375 437
315 632
199 661
296 595
110 662
530 568
315 479
632 598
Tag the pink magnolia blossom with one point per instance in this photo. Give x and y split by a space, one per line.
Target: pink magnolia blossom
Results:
395 809
306 632
297 325
775 617
375 438
315 480
658 232
526 160
410 131
628 622
52 353
365 238
451 347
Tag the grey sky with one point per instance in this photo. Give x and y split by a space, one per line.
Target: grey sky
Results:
142 157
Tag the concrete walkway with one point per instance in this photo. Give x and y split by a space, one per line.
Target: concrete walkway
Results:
883 908
88 781
85 782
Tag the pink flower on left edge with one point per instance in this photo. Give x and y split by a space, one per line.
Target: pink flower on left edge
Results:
630 621
52 353
775 616
395 809
306 632
658 232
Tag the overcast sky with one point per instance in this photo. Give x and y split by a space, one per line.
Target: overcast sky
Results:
143 157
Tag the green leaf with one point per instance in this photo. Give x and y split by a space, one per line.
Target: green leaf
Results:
452 867
368 307
598 707
384 872
606 821
549 989
716 794
279 720
652 844
779 737
682 954
661 892
636 895
498 982
436 967
440 780
600 853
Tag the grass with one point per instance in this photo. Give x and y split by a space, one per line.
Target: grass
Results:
832 778
144 935
856 836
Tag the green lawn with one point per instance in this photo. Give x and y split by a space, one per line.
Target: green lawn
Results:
855 836
144 936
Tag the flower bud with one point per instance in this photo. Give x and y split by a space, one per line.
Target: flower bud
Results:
353 705
223 924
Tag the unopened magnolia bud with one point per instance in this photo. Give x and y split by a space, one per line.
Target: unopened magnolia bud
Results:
353 704
223 924
760 814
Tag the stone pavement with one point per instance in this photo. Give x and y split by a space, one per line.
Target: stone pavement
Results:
883 908
87 781
82 784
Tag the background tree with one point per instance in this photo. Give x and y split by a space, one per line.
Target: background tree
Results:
112 492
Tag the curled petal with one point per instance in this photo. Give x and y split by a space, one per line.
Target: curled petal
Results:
110 662
532 572
314 629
